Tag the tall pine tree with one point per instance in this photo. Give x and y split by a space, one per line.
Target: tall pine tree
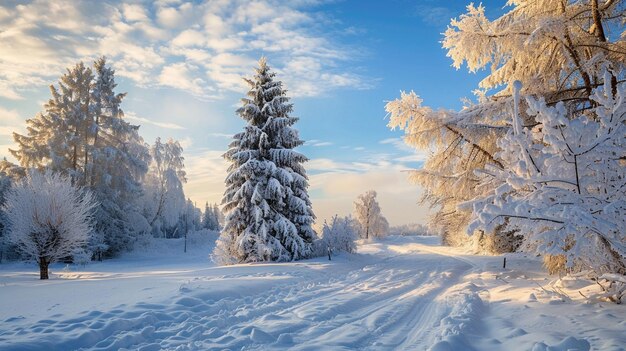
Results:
82 133
268 211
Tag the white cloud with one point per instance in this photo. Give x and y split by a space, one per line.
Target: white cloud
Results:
131 116
10 121
412 155
222 135
207 45
183 76
318 143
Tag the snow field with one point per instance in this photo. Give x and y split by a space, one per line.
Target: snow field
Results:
402 293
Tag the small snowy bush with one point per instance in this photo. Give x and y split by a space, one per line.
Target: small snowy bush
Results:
49 218
223 253
614 286
339 235
81 256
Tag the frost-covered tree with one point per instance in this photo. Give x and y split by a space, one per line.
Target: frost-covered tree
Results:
9 175
340 234
211 217
49 218
267 207
555 48
81 133
564 186
367 214
58 138
219 216
190 220
164 196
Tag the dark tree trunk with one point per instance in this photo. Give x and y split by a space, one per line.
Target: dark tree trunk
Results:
43 268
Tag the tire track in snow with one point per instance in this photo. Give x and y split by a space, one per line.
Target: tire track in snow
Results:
387 302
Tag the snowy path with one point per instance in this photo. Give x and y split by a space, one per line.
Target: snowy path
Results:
402 294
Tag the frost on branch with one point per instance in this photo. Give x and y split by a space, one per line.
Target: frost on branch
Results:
564 184
49 219
556 49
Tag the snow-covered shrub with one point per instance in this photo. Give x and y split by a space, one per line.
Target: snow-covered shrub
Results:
563 185
81 256
614 286
501 240
339 235
48 218
223 254
370 220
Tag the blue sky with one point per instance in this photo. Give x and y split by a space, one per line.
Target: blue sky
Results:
181 64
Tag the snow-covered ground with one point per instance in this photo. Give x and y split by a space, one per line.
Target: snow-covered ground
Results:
404 293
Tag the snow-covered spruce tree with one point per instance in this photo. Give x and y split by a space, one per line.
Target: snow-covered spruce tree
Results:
555 48
211 217
564 186
49 218
207 218
267 207
164 196
81 133
219 217
367 214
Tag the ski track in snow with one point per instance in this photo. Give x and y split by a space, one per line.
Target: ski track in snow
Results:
405 296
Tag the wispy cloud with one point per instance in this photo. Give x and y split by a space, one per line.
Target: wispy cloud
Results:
200 47
10 121
318 143
410 154
131 116
222 135
433 13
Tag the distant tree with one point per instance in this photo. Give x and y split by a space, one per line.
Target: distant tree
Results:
9 175
207 217
49 218
218 215
367 214
211 217
268 211
165 198
190 219
82 134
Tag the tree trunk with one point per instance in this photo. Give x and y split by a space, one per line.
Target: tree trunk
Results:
43 268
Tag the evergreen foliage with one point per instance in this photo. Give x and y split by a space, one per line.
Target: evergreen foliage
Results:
268 211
